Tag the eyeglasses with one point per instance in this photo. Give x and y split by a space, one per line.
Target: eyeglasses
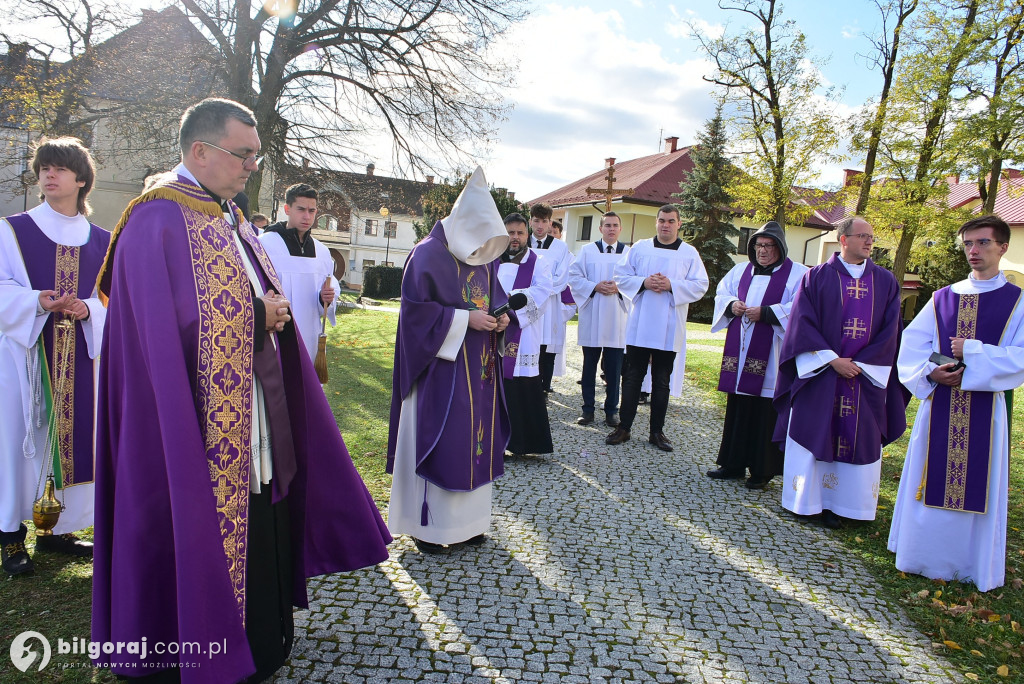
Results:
763 246
982 243
867 237
253 160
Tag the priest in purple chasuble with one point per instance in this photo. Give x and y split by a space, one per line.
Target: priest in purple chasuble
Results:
522 271
222 481
449 426
837 396
50 327
949 521
753 303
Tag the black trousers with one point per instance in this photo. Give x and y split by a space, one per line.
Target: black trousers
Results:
634 369
547 368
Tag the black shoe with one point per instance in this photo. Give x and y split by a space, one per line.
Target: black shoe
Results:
618 436
659 440
723 473
68 544
831 520
585 419
429 547
476 541
757 482
13 556
612 420
644 396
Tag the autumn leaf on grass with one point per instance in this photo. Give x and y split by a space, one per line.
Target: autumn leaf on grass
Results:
970 675
952 644
985 614
938 593
1015 626
958 610
1003 671
1017 583
978 653
924 593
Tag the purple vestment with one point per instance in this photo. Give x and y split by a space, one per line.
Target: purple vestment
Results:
960 432
68 370
173 448
823 313
461 420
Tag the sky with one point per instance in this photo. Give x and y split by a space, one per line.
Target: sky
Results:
613 78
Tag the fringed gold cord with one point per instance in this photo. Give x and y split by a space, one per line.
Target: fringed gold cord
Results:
320 362
167 191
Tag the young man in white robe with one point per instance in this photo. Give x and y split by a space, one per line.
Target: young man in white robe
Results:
304 265
523 271
558 258
603 314
753 302
949 521
662 276
29 306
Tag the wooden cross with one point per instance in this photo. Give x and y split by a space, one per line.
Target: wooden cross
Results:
856 290
854 329
611 190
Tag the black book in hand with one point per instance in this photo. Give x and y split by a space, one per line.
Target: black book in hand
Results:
942 360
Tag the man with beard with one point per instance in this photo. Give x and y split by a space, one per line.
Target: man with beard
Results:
753 301
522 271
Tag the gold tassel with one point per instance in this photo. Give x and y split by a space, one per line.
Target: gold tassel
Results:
320 362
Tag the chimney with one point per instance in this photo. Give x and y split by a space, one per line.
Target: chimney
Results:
953 179
369 169
850 177
511 195
430 180
670 144
609 162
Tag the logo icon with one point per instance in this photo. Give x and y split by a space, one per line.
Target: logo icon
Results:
24 656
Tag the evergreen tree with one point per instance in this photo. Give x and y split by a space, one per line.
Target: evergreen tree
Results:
704 210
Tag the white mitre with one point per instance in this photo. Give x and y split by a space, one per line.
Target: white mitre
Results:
474 230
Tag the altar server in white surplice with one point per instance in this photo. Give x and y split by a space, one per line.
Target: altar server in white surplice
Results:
603 313
523 272
304 264
662 276
753 302
558 258
949 521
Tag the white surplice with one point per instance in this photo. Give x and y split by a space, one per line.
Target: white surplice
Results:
557 259
728 292
602 318
302 278
658 319
935 542
21 322
810 486
531 317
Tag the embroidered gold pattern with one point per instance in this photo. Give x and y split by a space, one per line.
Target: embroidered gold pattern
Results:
798 483
64 364
830 481
856 290
755 366
512 350
854 328
730 363
960 415
224 397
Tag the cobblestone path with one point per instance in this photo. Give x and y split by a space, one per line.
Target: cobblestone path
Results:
616 564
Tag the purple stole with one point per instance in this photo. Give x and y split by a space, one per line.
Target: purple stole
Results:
756 363
858 304
524 276
960 431
67 368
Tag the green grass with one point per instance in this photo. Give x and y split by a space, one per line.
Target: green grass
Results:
983 631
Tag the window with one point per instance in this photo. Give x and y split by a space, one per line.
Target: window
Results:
367 263
371 227
390 229
585 226
745 234
389 264
327 222
352 264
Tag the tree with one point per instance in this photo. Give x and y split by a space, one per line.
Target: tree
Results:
320 74
914 155
439 200
704 202
887 47
780 118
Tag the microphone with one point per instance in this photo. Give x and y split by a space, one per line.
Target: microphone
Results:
515 303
